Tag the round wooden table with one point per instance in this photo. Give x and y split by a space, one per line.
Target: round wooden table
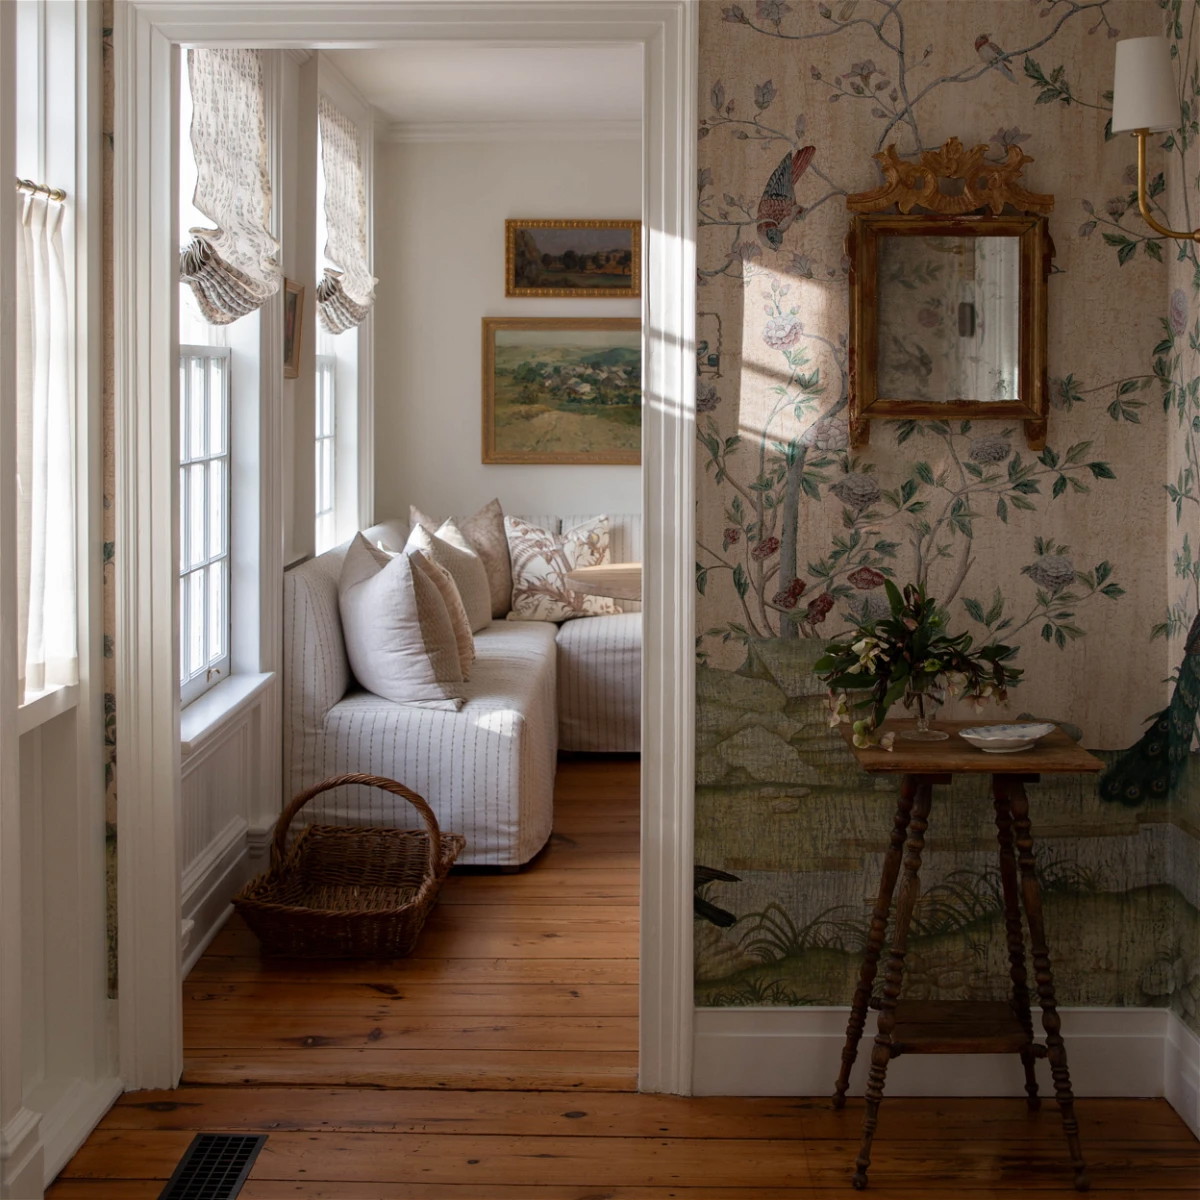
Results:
621 581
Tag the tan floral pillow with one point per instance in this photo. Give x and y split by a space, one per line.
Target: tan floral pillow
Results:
484 532
540 562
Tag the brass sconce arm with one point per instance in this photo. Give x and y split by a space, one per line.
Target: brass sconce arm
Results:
1144 198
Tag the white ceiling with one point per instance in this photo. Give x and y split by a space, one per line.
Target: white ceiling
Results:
421 83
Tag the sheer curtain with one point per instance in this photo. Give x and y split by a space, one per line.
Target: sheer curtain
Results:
45 454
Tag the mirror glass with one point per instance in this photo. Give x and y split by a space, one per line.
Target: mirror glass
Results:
949 319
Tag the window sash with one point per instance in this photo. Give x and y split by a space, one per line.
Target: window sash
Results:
325 446
204 502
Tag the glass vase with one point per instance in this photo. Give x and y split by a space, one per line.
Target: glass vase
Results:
926 704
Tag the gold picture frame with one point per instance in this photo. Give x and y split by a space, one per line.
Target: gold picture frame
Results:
573 259
562 390
293 327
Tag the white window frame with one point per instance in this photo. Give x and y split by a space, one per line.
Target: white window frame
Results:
325 464
354 497
216 664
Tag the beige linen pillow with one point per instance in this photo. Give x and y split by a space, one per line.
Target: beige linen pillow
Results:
484 531
454 607
399 638
540 562
448 548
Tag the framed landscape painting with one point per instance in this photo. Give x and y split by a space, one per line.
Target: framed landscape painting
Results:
573 258
561 390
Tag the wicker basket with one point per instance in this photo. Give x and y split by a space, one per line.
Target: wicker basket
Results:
348 892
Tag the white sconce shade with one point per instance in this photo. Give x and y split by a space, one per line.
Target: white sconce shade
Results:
1144 95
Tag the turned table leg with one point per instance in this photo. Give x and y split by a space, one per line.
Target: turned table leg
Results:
910 889
1013 930
875 937
1056 1051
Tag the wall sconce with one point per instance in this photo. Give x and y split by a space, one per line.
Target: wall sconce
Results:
1145 102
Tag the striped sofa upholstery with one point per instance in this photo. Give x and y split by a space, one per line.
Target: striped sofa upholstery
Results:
488 769
600 661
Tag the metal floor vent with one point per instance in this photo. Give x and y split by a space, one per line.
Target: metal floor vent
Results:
214 1167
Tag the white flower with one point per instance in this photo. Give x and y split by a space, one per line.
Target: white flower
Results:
781 333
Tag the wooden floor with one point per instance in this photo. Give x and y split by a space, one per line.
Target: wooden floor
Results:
499 1061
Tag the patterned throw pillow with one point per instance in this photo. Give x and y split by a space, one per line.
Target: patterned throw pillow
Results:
399 639
540 562
484 532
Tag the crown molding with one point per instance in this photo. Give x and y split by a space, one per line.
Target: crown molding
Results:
512 131
297 55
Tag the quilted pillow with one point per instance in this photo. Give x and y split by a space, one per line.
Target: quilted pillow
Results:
540 562
448 548
484 532
399 638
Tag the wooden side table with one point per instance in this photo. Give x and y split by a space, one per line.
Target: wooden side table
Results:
621 581
962 1027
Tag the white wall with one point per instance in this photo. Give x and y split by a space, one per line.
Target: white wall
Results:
440 211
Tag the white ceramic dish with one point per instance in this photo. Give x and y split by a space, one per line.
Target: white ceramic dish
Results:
1006 739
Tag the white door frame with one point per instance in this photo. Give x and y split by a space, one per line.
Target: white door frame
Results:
145 254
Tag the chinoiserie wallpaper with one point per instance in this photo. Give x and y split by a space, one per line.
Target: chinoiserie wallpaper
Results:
1086 554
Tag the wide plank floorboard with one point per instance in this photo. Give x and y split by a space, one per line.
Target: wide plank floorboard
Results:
499 1062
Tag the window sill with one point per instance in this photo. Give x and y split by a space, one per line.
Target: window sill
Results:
211 713
45 706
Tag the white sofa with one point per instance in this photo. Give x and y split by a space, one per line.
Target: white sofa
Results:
487 770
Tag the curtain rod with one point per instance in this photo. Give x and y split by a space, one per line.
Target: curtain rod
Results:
41 189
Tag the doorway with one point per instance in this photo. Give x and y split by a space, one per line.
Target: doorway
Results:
146 35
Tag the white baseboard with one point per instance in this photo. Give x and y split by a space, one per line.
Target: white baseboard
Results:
1182 1072
67 1123
797 1052
210 881
21 1156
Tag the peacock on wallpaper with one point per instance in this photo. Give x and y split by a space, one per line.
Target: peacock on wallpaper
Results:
1086 555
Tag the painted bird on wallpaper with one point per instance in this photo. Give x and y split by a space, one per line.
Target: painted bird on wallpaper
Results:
992 54
705 909
1152 765
777 208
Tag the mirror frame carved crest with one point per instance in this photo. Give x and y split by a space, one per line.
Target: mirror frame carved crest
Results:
985 199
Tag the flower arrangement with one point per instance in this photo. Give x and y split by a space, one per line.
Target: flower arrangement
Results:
908 656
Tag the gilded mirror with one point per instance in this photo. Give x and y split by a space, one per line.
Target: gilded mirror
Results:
948 306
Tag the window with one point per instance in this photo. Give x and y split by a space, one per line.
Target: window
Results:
204 483
326 446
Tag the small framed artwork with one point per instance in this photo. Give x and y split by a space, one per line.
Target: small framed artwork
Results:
561 390
293 324
573 258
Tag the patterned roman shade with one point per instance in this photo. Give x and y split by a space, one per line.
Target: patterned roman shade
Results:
345 295
234 267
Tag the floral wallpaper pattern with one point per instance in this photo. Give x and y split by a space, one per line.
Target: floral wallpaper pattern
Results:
1084 554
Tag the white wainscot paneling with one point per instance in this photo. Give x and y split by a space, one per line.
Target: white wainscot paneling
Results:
226 820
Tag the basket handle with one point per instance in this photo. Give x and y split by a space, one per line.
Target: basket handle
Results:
279 841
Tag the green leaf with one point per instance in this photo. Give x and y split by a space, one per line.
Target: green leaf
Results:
1060 486
974 609
1048 458
1153 249
1112 590
895 600
924 472
1002 509
1126 252
741 580
1101 470
701 579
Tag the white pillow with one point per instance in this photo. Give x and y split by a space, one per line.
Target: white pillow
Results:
540 562
448 548
399 638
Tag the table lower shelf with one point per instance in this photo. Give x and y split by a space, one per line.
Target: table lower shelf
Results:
960 1027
